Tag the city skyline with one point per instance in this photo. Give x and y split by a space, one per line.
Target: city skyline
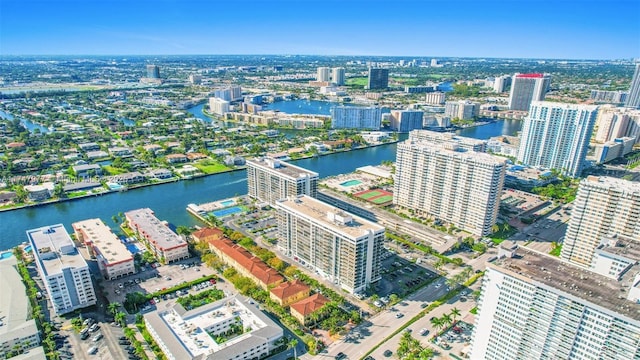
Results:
487 29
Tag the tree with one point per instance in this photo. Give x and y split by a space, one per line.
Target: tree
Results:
446 319
495 228
293 342
437 323
120 318
455 312
113 307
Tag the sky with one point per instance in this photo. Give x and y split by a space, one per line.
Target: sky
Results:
559 29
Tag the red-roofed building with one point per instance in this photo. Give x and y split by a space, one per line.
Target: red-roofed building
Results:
530 76
208 234
289 292
304 308
245 263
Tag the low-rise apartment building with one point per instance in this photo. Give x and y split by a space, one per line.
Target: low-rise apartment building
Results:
165 244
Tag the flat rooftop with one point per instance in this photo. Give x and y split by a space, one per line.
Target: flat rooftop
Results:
15 317
439 137
319 211
184 332
442 148
162 236
54 249
105 241
584 284
281 167
605 183
622 246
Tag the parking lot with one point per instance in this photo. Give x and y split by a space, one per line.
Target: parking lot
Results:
401 277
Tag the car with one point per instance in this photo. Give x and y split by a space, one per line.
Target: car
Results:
438 285
94 328
424 331
399 315
92 350
120 285
97 337
387 353
369 358
424 305
124 342
340 356
123 338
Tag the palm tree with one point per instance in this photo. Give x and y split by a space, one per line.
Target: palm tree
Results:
120 318
455 312
437 323
113 307
495 228
292 345
446 319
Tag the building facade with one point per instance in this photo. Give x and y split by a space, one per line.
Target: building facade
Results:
612 150
406 120
113 258
633 99
166 245
323 74
342 248
463 110
603 206
441 181
337 76
378 79
356 117
534 306
526 88
501 83
435 98
153 72
62 268
219 106
616 97
271 179
556 136
436 137
616 122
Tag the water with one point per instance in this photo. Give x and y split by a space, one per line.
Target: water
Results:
499 127
26 123
314 107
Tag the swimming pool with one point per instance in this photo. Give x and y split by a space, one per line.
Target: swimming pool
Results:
227 203
6 255
227 211
132 248
351 183
115 186
27 248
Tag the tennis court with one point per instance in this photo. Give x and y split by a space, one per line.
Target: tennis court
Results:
368 194
376 196
382 199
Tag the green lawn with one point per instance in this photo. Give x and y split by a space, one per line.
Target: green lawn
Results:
211 167
110 170
357 81
369 195
382 199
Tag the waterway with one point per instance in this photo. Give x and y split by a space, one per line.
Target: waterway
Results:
26 123
170 200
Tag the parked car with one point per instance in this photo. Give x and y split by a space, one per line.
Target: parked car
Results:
340 356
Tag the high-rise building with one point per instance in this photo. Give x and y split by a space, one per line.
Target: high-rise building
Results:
356 117
617 122
165 245
616 97
343 248
556 136
603 206
534 306
270 180
233 93
323 74
219 106
526 88
378 78
195 79
435 98
153 72
337 76
633 99
501 83
406 120
113 258
462 109
450 184
62 268
461 142
614 149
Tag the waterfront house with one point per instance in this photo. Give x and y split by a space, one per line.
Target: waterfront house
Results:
99 154
120 151
176 158
234 160
196 156
91 146
188 171
7 196
133 177
39 192
160 174
87 170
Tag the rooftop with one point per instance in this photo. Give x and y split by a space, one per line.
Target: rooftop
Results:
54 249
281 167
106 242
450 149
606 183
438 137
15 317
621 246
323 213
531 76
592 288
289 288
253 264
313 303
158 232
184 332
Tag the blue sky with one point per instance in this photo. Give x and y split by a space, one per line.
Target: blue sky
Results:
573 29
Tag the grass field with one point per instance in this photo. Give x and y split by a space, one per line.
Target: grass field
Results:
382 199
211 167
369 194
357 81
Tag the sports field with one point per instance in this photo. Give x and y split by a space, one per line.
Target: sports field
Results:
376 196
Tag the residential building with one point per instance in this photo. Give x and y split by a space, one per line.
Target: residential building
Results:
153 72
378 79
219 106
271 179
556 136
62 268
87 170
615 256
435 98
526 88
232 93
616 97
164 244
603 206
616 122
446 182
462 110
289 292
193 334
633 100
337 76
419 89
356 117
303 309
406 120
195 79
501 83
245 263
536 306
40 192
341 247
323 74
612 150
113 258
207 234
18 330
447 137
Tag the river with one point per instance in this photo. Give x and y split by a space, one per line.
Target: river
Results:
170 200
